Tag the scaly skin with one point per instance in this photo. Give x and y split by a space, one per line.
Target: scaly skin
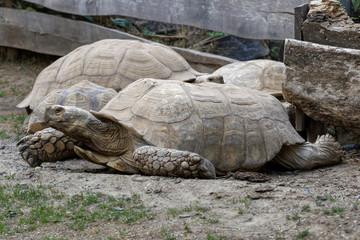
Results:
170 162
325 151
48 145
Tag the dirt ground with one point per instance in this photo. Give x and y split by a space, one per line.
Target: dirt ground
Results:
317 204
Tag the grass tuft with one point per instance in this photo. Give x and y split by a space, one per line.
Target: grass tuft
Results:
25 208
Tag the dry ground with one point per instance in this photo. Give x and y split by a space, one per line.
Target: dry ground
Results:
318 204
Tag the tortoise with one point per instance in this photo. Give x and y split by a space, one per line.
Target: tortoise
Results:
112 63
173 128
262 74
47 144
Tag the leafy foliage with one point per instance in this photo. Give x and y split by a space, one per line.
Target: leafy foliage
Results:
356 4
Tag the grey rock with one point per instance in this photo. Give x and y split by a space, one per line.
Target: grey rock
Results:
323 82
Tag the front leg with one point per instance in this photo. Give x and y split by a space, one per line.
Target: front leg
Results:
170 162
48 145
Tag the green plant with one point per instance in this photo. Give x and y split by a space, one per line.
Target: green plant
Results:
306 208
3 134
18 213
212 220
2 94
302 234
326 212
209 236
10 176
187 228
356 4
122 22
245 200
295 216
189 208
200 208
172 211
146 31
166 234
337 209
330 197
216 34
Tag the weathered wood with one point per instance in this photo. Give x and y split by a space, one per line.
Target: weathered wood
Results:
256 19
300 16
324 82
58 36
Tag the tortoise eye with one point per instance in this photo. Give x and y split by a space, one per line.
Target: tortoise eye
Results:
58 111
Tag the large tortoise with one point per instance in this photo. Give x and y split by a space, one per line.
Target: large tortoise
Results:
180 129
261 74
47 144
112 63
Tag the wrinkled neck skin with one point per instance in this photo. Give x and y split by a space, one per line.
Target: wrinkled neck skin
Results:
108 138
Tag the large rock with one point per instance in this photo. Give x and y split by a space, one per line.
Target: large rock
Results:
328 23
324 82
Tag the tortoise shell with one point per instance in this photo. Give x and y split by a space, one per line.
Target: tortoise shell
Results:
233 127
85 95
264 75
112 63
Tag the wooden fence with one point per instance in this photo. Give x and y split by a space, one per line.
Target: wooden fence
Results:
49 34
256 19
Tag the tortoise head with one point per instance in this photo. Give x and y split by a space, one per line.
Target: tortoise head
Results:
58 116
70 120
104 136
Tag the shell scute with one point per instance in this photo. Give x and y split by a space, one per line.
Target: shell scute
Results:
85 95
112 63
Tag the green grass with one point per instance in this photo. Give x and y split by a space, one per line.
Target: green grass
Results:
337 209
187 228
4 81
302 234
330 197
174 212
166 234
209 236
4 134
306 208
245 200
25 208
14 125
2 94
294 217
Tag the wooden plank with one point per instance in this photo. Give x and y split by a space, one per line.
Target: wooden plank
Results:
256 19
300 16
58 36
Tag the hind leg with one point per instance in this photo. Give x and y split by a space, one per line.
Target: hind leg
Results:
48 145
325 151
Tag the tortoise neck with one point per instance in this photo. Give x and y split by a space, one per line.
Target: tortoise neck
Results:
108 138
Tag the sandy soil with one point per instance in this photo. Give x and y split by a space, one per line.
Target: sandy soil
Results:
280 205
